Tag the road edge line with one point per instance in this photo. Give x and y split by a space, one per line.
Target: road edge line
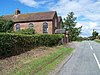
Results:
96 60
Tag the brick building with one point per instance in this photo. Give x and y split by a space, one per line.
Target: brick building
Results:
42 22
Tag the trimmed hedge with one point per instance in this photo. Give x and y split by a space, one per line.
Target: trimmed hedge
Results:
26 31
13 44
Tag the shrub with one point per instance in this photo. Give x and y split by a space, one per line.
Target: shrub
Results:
12 44
26 31
97 40
6 25
98 37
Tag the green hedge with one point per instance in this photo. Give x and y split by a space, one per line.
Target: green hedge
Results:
26 31
12 44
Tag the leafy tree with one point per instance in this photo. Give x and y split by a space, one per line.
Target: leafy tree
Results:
94 34
5 25
69 24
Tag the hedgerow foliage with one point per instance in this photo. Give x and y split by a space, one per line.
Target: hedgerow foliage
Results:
12 44
6 25
26 31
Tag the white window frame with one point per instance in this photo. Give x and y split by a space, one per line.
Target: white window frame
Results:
45 27
31 25
17 27
55 22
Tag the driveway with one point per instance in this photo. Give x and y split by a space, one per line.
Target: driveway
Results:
85 60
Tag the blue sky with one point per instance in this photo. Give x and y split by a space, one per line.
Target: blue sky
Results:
9 6
86 11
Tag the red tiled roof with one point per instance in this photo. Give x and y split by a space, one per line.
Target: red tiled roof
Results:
31 16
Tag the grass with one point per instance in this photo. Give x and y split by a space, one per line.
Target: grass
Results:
43 65
97 40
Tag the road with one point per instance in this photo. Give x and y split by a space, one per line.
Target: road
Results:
85 60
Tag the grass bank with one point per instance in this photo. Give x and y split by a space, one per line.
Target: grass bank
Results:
97 40
43 65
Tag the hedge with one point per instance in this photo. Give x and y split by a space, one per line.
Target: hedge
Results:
12 44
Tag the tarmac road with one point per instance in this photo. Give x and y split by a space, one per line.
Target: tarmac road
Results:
85 60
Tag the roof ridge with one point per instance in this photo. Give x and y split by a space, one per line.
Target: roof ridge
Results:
32 16
38 12
29 13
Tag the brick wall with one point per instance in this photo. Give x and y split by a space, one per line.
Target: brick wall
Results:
38 26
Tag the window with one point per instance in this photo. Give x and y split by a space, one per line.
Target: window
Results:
45 27
31 25
17 27
56 23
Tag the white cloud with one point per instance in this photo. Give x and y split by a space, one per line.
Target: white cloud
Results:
92 25
80 7
89 9
87 28
78 25
32 3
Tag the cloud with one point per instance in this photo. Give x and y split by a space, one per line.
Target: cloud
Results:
78 25
92 25
88 9
87 28
80 7
32 3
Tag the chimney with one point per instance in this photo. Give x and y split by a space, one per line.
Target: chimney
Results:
17 11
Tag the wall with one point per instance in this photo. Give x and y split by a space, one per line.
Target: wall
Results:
60 25
38 26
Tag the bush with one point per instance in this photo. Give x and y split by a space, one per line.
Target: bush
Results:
12 44
6 25
98 37
26 31
97 40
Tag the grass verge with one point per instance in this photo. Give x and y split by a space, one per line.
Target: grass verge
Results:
43 65
97 40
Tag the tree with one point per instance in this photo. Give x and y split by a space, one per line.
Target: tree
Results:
94 34
69 24
5 25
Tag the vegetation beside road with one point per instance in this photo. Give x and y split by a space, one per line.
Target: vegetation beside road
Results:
43 65
97 40
6 25
14 44
69 24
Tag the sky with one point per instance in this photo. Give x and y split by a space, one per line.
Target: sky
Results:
86 11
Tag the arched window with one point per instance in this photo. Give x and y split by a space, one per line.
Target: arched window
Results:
55 23
31 25
17 27
45 27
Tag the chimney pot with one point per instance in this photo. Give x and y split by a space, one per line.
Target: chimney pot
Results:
17 11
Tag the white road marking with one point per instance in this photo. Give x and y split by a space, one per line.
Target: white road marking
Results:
96 60
91 46
95 56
